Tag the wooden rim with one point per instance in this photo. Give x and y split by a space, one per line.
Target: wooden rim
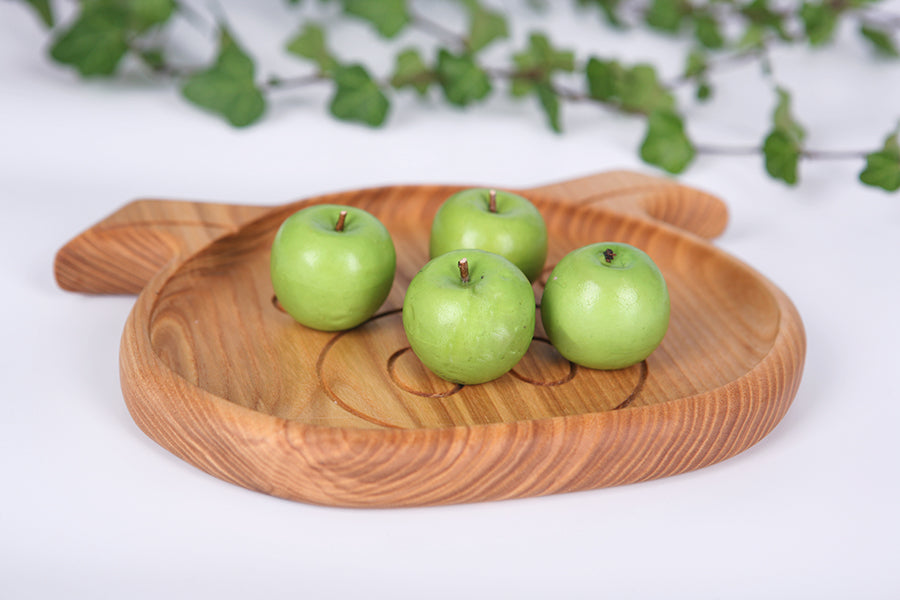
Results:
411 467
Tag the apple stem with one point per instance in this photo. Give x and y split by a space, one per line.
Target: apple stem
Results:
464 269
340 222
492 202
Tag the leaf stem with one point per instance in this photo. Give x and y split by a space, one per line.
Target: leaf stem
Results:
834 154
276 82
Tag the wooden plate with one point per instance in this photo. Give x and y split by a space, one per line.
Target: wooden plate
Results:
213 371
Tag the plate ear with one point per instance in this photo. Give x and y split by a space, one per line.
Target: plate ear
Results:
122 252
659 199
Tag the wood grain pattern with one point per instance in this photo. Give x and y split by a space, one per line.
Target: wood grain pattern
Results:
213 371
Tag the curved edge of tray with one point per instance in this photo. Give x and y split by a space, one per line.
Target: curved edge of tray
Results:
392 468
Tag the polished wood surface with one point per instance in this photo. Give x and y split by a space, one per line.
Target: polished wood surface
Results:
213 371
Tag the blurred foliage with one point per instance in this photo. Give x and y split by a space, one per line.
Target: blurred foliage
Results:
100 34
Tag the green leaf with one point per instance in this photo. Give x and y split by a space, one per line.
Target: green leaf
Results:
357 97
535 67
603 77
666 144
697 64
44 10
782 156
641 91
462 80
609 9
540 59
754 37
95 43
881 41
521 87
704 91
550 103
310 43
411 71
634 89
883 167
664 15
145 14
388 16
153 58
101 33
485 26
763 17
783 117
783 147
819 21
707 31
537 63
228 88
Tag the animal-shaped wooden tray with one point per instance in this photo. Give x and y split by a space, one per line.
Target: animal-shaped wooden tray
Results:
213 371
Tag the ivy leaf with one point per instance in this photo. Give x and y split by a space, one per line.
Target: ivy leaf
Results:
707 31
696 67
44 10
388 16
95 42
550 103
603 79
609 8
883 167
782 156
763 17
227 88
704 91
540 59
535 67
783 117
754 37
485 26
642 92
666 144
145 14
881 41
537 63
634 89
783 147
310 43
357 97
664 15
819 21
463 81
100 35
411 71
153 58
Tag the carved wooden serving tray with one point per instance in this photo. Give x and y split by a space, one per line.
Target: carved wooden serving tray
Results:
213 371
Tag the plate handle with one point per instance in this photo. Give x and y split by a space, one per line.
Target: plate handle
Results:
122 252
646 196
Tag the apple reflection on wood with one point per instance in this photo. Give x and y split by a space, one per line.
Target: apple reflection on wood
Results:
469 314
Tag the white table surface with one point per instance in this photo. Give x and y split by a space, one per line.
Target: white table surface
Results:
92 508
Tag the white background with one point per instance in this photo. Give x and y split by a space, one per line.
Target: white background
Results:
92 508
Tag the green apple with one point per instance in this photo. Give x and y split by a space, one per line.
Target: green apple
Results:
605 306
500 222
469 315
332 266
